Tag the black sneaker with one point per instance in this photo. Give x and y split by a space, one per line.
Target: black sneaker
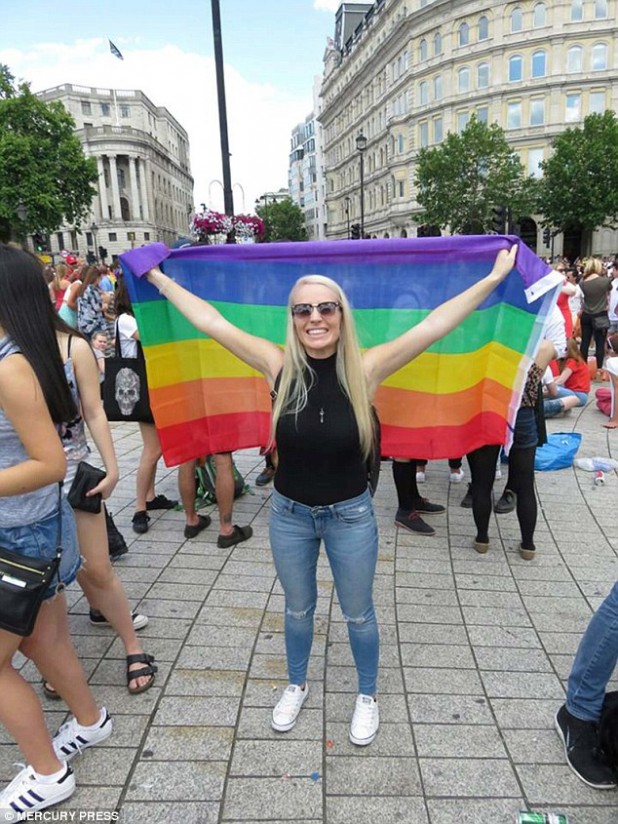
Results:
265 476
160 502
425 507
467 499
139 522
581 747
413 522
506 503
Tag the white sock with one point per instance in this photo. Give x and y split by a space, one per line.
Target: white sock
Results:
96 724
53 778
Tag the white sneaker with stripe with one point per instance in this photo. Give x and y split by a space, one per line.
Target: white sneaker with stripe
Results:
27 793
72 739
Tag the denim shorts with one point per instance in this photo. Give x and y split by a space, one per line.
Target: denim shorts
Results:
39 540
526 433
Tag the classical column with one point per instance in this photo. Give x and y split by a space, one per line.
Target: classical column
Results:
102 190
113 173
135 210
144 172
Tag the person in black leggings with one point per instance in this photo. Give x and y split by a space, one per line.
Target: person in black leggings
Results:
521 466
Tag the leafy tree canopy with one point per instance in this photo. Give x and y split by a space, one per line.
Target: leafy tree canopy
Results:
462 180
42 163
283 220
580 179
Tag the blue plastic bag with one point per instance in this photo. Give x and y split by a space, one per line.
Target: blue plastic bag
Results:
558 452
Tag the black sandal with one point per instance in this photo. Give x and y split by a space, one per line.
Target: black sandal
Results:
50 692
150 669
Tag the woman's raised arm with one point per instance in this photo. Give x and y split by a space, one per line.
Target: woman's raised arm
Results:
259 353
381 361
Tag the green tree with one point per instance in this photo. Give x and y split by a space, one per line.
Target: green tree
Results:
580 179
42 163
283 220
462 180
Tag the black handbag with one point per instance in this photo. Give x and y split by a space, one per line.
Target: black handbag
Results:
125 387
24 582
86 478
600 322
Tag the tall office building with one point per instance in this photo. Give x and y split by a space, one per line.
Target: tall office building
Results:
406 72
145 187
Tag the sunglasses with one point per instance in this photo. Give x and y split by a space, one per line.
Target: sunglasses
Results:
305 310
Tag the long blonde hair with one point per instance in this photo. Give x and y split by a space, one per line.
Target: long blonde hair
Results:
297 377
594 266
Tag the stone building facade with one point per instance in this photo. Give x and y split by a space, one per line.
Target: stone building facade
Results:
406 72
145 187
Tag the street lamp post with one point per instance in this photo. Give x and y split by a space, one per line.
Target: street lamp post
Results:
361 145
347 213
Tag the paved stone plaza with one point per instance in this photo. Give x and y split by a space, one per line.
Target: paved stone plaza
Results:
475 651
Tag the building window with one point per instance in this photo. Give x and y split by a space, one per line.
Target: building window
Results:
423 134
573 107
483 28
539 64
515 68
86 107
437 44
105 110
574 59
423 94
463 118
88 238
599 57
464 34
537 111
600 9
112 237
422 51
517 20
437 130
60 239
482 114
146 235
463 80
125 110
535 158
402 188
437 87
597 103
538 16
513 117
577 10
482 75
400 144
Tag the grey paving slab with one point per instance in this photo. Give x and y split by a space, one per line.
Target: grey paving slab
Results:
484 778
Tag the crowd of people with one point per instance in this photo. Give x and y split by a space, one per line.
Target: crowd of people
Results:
54 339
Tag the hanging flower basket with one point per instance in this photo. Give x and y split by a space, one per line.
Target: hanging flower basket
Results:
214 227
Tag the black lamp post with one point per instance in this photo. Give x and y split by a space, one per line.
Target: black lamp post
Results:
361 145
22 212
347 213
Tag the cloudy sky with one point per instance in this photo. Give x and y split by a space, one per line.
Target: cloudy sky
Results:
272 50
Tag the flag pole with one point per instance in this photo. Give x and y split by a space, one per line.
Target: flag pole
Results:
116 107
228 196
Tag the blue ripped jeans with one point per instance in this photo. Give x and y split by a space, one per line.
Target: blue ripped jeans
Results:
350 534
595 661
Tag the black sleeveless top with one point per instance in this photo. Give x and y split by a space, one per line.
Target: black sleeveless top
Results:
320 460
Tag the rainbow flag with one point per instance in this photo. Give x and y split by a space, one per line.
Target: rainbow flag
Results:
460 394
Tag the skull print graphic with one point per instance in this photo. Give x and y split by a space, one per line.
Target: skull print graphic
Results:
127 390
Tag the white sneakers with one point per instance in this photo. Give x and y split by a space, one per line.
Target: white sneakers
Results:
365 721
457 476
29 792
289 705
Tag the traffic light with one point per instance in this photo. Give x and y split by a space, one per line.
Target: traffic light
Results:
40 242
547 236
102 253
355 231
91 258
498 220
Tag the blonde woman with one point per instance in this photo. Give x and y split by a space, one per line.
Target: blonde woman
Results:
323 428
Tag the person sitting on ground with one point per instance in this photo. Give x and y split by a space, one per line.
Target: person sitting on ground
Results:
611 367
572 384
323 426
577 720
229 534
